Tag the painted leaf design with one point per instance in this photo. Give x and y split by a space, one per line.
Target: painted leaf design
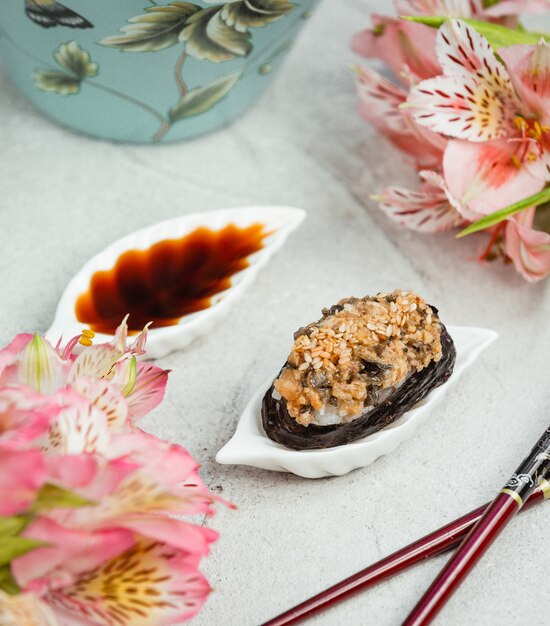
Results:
59 82
78 65
201 99
254 13
217 33
207 36
158 28
73 58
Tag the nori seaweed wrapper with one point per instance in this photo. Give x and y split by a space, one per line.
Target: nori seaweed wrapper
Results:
282 428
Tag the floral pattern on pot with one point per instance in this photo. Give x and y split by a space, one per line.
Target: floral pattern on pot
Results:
216 33
76 67
204 31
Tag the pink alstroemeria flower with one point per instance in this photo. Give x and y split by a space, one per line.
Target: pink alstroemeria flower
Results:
144 484
125 555
497 116
408 48
32 361
135 491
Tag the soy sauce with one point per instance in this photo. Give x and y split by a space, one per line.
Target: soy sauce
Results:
169 280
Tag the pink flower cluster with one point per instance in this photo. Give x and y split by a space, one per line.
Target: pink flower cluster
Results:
475 124
91 507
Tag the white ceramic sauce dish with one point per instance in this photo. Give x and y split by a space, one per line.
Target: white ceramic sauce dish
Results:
278 221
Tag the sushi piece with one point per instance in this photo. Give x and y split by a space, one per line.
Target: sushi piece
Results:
359 368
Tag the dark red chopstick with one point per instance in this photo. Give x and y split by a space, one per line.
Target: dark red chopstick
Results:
429 546
496 516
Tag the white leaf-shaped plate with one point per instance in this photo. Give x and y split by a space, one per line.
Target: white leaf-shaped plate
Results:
278 221
251 446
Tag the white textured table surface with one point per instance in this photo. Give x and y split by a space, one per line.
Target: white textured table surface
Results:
64 197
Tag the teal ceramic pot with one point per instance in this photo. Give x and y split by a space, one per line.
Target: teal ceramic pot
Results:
146 72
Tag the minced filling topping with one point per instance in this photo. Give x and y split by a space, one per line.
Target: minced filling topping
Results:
360 347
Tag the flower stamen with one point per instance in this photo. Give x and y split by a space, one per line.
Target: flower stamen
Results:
86 337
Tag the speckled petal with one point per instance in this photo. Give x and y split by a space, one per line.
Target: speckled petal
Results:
149 584
427 210
475 99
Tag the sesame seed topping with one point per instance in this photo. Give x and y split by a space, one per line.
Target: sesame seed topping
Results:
332 362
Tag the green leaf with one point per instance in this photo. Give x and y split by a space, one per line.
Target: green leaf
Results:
51 497
202 99
12 547
207 36
158 28
73 58
498 216
7 581
498 36
12 525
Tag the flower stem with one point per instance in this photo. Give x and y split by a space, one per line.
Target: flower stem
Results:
498 216
165 127
179 79
123 96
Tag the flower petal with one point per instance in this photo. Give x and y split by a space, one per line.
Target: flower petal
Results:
95 362
427 210
9 353
71 471
148 389
517 7
173 532
136 500
463 52
148 584
24 609
169 463
79 428
25 415
380 102
68 553
529 68
529 249
22 473
475 99
484 177
40 366
448 8
404 47
103 396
